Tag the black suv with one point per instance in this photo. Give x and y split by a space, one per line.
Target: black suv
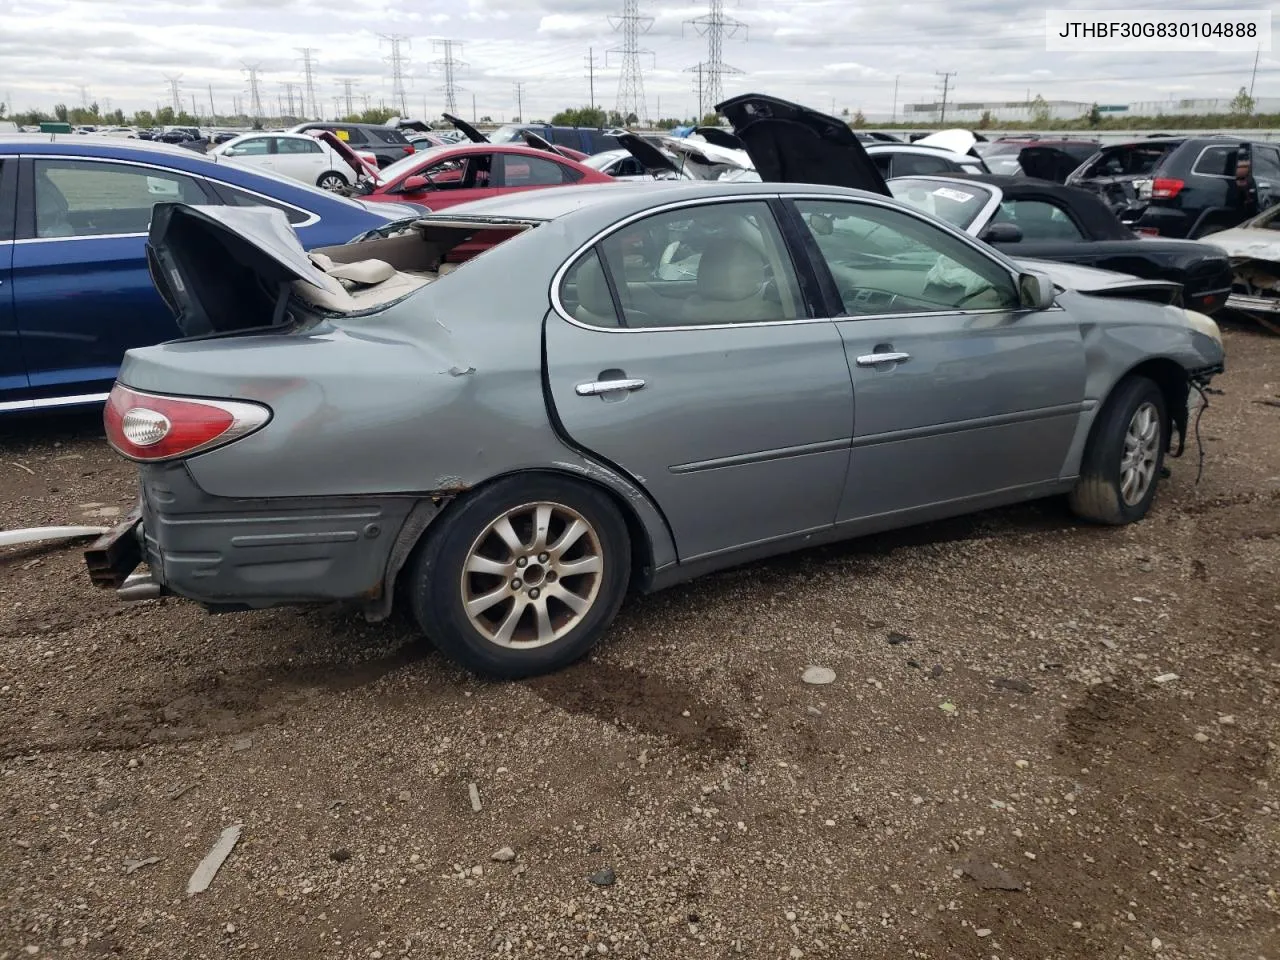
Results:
1184 186
386 143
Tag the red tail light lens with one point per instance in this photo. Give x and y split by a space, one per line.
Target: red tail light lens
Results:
1166 188
408 148
148 427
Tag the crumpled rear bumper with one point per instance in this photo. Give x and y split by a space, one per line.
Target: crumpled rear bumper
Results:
246 554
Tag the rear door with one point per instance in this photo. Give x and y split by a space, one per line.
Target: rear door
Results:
82 295
962 397
682 351
298 158
13 367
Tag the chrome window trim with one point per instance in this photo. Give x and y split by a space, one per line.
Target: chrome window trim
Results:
983 216
557 278
312 218
83 398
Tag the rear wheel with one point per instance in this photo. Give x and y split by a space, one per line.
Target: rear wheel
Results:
524 577
331 180
1124 456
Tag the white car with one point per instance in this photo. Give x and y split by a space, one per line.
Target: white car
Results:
297 156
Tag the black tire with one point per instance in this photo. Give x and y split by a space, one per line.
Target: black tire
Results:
1098 495
332 180
436 587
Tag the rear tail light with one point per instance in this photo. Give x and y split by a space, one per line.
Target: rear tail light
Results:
1166 188
148 427
408 148
1148 231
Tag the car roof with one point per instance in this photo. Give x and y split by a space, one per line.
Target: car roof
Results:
65 143
620 198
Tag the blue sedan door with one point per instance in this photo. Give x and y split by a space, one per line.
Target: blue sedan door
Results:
81 292
13 368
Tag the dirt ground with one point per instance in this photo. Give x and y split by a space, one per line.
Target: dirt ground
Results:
1003 768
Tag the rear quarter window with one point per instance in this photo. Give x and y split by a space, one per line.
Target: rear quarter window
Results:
1216 162
1129 160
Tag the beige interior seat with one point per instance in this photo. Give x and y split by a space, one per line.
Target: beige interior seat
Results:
359 285
446 268
730 287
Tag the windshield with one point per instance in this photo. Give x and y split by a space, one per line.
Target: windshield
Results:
958 202
414 161
511 133
598 161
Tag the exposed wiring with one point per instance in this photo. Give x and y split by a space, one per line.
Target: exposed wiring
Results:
1204 392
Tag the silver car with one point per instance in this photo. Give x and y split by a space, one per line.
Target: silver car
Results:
515 412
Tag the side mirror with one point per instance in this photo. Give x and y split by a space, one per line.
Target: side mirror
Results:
1035 290
230 152
1003 232
414 185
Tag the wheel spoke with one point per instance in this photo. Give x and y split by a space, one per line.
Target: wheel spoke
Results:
508 628
541 525
480 604
574 568
546 632
572 534
478 564
507 534
577 604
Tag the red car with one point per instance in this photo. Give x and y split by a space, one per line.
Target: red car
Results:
444 176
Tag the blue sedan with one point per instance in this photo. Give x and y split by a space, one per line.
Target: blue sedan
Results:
75 292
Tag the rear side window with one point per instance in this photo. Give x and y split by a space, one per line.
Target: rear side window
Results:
522 171
1216 162
81 198
1137 159
348 134
235 197
913 165
388 135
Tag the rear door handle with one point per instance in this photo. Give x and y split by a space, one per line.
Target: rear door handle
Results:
596 388
874 359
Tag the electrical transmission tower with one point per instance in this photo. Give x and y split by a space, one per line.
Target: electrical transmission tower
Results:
715 26
255 95
309 105
289 87
631 82
448 63
348 95
398 62
175 93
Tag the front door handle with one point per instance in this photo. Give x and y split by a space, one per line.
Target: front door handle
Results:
597 388
874 359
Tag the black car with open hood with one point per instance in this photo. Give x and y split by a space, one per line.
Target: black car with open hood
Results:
789 143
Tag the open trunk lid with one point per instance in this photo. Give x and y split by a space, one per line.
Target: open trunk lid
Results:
957 140
466 129
646 154
358 164
789 143
1053 163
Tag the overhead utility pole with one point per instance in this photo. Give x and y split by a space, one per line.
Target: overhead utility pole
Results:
255 96
591 74
946 86
519 101
715 26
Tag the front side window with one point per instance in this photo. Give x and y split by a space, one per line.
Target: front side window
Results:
1266 164
717 264
1038 220
253 147
523 171
885 261
242 198
80 198
467 172
1217 162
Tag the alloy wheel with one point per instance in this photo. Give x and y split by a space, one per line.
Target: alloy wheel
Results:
1138 459
532 575
331 182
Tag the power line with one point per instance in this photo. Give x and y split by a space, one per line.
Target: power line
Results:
398 61
309 105
715 26
631 82
449 64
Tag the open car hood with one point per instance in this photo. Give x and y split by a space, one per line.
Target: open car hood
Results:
648 156
202 258
720 137
789 143
708 154
541 143
358 164
955 140
466 129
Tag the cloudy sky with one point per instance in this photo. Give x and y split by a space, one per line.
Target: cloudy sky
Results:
827 53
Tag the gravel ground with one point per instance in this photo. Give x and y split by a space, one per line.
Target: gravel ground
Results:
996 771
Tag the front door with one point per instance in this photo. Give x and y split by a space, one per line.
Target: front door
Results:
960 394
81 291
452 180
523 172
692 364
